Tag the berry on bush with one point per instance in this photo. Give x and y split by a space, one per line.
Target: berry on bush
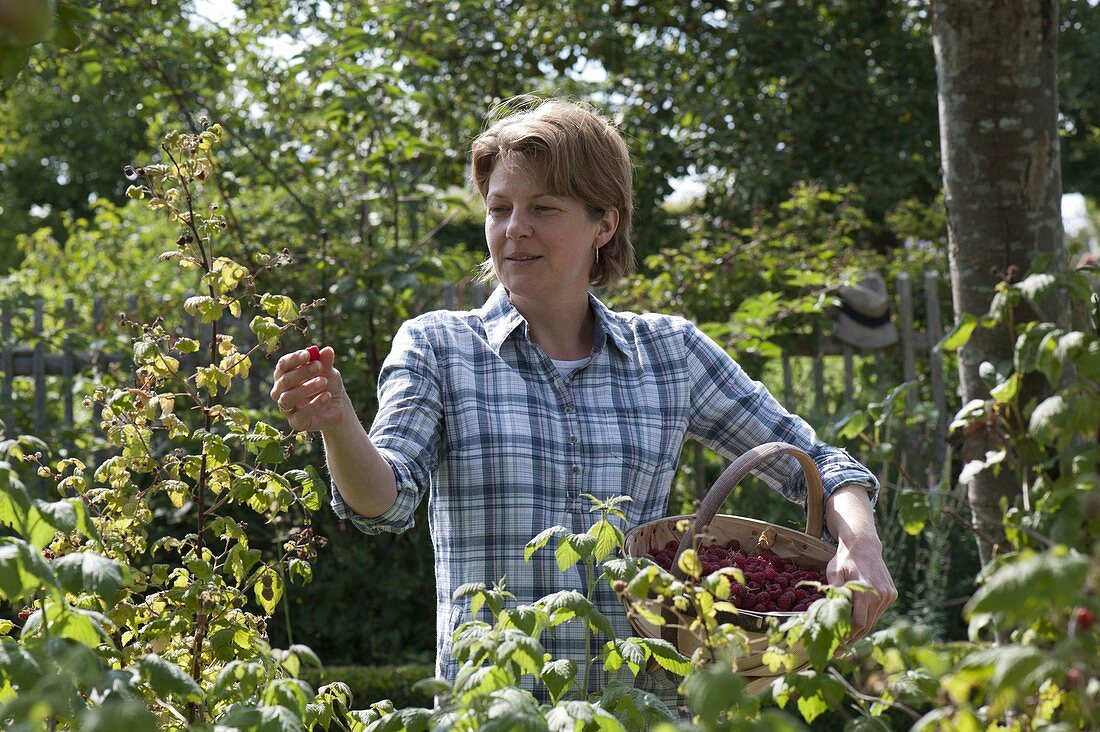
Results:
772 583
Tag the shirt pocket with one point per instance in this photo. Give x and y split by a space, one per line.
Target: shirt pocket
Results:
631 457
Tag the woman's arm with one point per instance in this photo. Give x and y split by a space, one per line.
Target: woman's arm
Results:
311 394
364 478
850 518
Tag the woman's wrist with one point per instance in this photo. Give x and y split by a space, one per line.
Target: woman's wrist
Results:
851 519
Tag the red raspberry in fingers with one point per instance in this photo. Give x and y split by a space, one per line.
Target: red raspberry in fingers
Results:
314 353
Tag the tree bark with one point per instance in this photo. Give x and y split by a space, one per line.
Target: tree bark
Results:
996 64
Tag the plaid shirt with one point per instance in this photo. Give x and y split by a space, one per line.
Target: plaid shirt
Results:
472 409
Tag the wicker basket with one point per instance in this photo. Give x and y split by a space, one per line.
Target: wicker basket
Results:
807 549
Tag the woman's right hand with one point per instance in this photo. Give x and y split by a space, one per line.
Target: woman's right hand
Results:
310 394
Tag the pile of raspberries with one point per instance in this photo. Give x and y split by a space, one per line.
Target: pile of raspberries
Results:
772 583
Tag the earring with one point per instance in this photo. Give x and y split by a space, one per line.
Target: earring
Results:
597 255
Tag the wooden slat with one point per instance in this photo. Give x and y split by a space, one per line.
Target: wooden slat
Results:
905 313
788 382
935 368
67 365
849 375
39 370
8 367
819 372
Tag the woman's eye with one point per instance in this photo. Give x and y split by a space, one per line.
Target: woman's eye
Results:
498 210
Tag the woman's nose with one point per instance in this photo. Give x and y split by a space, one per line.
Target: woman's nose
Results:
518 225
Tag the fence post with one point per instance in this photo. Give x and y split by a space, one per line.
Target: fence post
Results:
38 368
67 363
849 370
7 365
935 362
905 303
819 369
788 381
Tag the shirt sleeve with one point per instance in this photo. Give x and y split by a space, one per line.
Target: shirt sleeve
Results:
731 414
406 430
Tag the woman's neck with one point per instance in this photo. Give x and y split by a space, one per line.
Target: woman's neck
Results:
566 333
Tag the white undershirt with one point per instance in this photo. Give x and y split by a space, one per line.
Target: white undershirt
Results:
565 368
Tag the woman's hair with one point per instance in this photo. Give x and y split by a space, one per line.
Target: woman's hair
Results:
579 153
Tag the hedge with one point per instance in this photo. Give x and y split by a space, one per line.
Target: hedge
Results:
373 683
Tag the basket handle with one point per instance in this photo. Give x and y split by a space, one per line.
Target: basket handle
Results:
736 472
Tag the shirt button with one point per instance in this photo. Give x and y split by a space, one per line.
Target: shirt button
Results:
576 469
572 438
570 410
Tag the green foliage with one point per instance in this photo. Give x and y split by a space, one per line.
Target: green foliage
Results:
367 684
349 152
120 623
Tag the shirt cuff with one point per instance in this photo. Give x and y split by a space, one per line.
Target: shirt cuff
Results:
399 518
839 469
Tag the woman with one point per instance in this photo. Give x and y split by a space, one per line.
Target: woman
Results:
509 413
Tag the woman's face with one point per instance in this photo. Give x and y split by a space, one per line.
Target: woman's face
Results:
542 246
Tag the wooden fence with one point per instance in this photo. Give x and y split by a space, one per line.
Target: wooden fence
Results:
54 360
915 349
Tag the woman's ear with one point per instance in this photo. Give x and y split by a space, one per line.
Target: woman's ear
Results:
609 223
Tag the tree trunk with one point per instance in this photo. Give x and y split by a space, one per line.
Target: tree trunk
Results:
996 63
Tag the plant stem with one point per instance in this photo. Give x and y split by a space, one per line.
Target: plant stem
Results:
590 569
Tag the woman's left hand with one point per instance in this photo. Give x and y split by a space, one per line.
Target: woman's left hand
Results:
858 557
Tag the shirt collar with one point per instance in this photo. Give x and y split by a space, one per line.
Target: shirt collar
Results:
501 319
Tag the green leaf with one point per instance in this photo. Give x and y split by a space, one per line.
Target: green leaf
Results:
971 470
960 334
1047 419
689 564
565 605
558 676
827 624
1036 286
666 655
310 485
303 654
713 690
83 626
541 540
268 589
851 425
522 650
1031 587
261 719
238 679
240 561
291 694
566 554
115 715
19 512
279 306
61 515
607 539
86 572
1006 391
617 652
913 510
569 716
23 570
167 679
206 308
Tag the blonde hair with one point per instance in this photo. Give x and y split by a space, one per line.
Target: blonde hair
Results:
579 153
